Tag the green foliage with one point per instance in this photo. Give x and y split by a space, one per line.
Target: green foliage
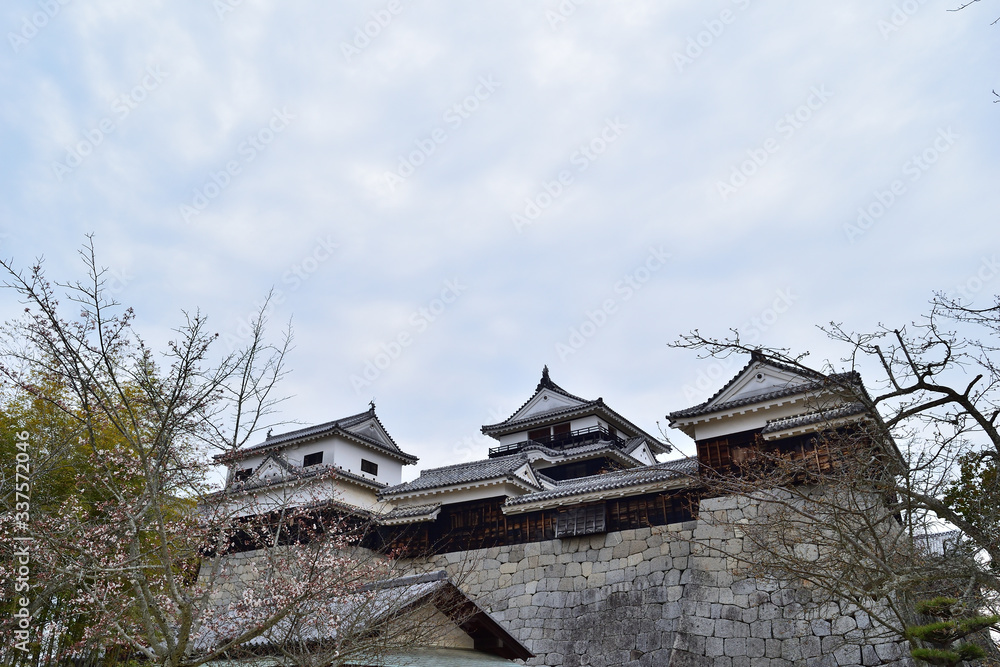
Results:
946 632
970 625
937 656
971 652
942 632
939 607
974 495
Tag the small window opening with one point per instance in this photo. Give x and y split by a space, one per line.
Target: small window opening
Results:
369 467
312 459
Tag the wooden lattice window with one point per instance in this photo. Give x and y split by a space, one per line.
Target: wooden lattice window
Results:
312 459
581 521
369 467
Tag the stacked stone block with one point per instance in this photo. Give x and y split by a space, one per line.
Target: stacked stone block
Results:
660 596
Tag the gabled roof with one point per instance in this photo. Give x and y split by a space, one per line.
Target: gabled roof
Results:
635 445
778 380
669 473
588 451
434 657
378 605
437 589
500 468
293 475
537 411
364 428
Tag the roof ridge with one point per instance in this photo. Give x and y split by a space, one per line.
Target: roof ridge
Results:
544 415
318 430
547 383
607 480
437 575
544 383
814 379
455 466
756 356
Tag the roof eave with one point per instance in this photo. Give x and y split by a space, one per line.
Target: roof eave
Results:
687 422
680 482
598 407
264 448
462 486
405 520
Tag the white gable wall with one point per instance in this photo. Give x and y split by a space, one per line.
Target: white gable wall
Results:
337 451
248 464
298 494
760 379
642 453
546 401
756 419
348 455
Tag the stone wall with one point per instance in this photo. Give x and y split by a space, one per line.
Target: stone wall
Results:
654 596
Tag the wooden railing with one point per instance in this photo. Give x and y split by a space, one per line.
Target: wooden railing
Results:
577 438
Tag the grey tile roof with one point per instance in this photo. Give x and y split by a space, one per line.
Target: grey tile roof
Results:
312 432
785 423
545 383
462 473
621 479
597 405
851 379
414 512
633 444
382 602
296 474
541 416
592 448
434 657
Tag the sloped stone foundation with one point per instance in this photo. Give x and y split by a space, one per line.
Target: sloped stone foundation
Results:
656 597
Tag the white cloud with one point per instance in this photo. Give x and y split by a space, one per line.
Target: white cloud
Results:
656 184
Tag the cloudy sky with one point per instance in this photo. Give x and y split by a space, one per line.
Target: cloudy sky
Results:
444 197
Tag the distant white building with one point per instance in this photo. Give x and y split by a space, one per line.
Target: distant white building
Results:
348 461
554 442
